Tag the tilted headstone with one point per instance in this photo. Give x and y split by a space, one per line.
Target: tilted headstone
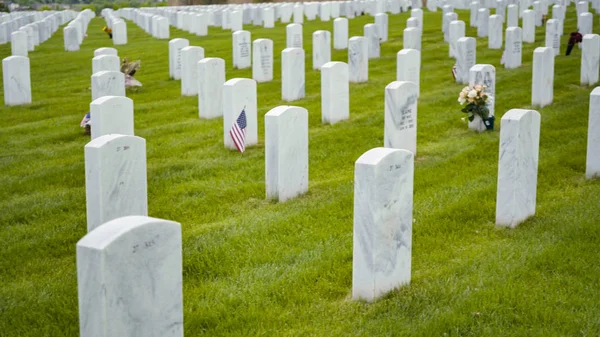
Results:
495 32
262 60
335 92
528 26
400 120
111 115
286 152
129 279
592 165
408 67
242 57
465 58
381 21
211 77
292 74
115 178
552 35
590 57
371 32
16 80
517 166
542 84
340 33
293 35
239 94
383 219
321 44
106 63
358 59
412 38
190 56
175 47
513 48
456 31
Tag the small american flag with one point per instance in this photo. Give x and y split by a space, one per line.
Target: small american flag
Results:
454 72
238 132
85 121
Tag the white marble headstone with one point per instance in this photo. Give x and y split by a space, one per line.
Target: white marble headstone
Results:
483 74
383 219
111 115
129 279
268 17
18 43
456 31
240 94
528 26
512 16
115 178
513 48
321 44
190 56
358 59
16 80
211 77
592 169
294 35
286 152
517 166
412 38
465 58
495 32
371 32
448 17
542 88
552 35
335 92
482 22
474 12
292 74
106 62
242 56
175 47
340 33
298 14
119 33
70 38
400 130
105 51
262 60
408 67
590 57
381 21
108 83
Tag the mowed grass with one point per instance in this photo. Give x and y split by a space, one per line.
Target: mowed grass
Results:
257 268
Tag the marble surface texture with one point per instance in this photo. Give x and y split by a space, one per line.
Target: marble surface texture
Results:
456 31
412 38
175 46
358 59
448 17
262 60
108 83
383 219
558 13
585 23
268 17
465 58
105 51
482 22
190 56
115 178
292 74
119 33
286 152
474 11
241 47
528 26
590 58
321 45
129 279
513 48
592 167
512 16
381 21
18 44
495 32
417 13
240 94
324 11
340 33
237 22
542 84
16 80
408 67
70 38
517 166
335 92
200 25
111 115
298 14
400 129
552 36
211 77
163 28
293 35
371 35
106 63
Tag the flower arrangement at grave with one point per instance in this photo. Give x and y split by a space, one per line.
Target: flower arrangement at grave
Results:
129 69
476 107
107 31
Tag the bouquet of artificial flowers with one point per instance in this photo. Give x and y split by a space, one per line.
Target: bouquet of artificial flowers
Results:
476 100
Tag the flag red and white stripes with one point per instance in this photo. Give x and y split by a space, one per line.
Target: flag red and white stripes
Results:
238 132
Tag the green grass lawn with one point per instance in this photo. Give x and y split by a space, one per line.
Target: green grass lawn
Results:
257 268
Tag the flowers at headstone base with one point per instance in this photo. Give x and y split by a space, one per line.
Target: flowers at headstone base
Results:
575 38
475 99
107 31
129 69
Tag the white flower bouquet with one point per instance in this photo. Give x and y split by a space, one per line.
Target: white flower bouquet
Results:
476 100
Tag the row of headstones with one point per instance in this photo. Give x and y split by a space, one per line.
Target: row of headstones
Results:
118 26
75 31
158 26
25 34
126 254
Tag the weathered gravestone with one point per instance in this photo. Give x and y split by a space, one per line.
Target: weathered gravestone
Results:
529 26
70 38
18 44
129 279
465 58
400 130
190 56
456 31
293 35
111 115
211 76
242 57
542 84
175 47
358 59
335 92
495 32
412 38
448 17
512 16
482 22
340 33
381 21
262 60
286 152
474 12
371 35
16 80
108 83
239 94
592 167
383 218
590 57
513 50
483 74
408 67
517 166
321 45
292 74
115 178
552 35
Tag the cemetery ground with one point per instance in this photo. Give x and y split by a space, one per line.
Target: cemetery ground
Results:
253 267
